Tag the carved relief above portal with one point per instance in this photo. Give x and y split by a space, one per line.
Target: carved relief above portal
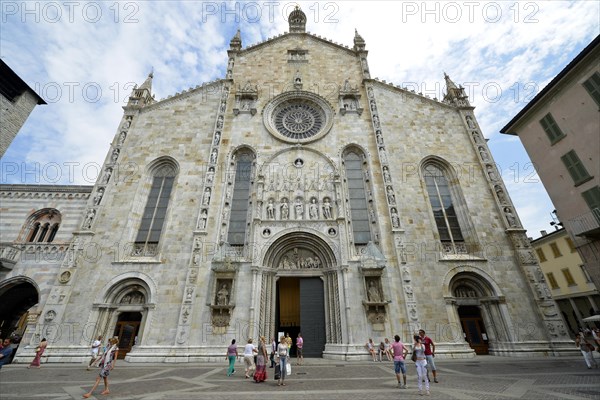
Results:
300 259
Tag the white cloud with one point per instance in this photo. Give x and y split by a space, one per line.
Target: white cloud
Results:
186 42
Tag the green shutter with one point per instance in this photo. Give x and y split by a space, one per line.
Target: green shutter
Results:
592 85
575 167
551 128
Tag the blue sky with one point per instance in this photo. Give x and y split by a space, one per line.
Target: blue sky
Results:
84 57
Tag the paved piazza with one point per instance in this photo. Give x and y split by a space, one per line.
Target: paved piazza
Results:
484 377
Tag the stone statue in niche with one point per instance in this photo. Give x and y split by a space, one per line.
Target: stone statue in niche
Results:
373 292
491 173
470 122
510 217
347 87
395 218
189 293
379 138
476 137
107 173
383 155
483 154
386 175
213 156
203 218
376 121
313 209
223 296
327 208
98 196
225 213
390 195
284 209
500 194
210 175
270 209
115 155
299 208
409 292
122 137
89 218
220 122
206 197
217 137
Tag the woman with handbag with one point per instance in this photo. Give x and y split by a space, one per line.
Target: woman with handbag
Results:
282 356
38 354
421 362
106 365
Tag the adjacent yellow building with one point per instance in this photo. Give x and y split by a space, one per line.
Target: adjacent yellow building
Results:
571 285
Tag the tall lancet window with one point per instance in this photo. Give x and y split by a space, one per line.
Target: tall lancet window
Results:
239 201
443 205
359 210
153 219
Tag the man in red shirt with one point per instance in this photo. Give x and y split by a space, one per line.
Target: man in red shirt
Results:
429 353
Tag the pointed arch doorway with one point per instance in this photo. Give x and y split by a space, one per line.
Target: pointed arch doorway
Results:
300 292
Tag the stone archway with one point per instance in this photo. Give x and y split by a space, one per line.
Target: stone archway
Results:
17 296
305 259
478 308
124 312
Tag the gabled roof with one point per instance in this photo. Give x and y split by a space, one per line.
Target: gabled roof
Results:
549 87
11 85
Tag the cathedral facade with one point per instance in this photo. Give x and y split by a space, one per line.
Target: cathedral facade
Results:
297 194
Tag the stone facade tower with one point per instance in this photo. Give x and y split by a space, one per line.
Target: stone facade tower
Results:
299 194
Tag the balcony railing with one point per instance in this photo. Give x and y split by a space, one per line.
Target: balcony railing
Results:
587 224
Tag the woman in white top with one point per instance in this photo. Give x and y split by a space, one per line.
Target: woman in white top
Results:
249 351
282 356
421 363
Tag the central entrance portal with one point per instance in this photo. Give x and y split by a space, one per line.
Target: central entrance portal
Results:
300 308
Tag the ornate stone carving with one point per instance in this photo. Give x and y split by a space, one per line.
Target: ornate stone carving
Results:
510 217
206 197
349 99
245 99
98 197
64 277
373 292
89 219
50 316
298 117
300 259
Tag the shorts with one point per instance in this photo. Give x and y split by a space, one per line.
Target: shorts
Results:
430 362
299 351
399 366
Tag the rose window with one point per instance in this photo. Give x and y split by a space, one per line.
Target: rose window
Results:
298 121
298 117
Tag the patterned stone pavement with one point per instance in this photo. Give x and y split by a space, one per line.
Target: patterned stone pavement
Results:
483 377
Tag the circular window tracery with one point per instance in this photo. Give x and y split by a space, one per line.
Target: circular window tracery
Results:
298 120
298 117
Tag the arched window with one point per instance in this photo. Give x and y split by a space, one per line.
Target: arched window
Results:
359 211
442 205
454 227
236 234
153 218
42 226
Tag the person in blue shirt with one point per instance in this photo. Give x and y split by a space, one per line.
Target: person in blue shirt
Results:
5 353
